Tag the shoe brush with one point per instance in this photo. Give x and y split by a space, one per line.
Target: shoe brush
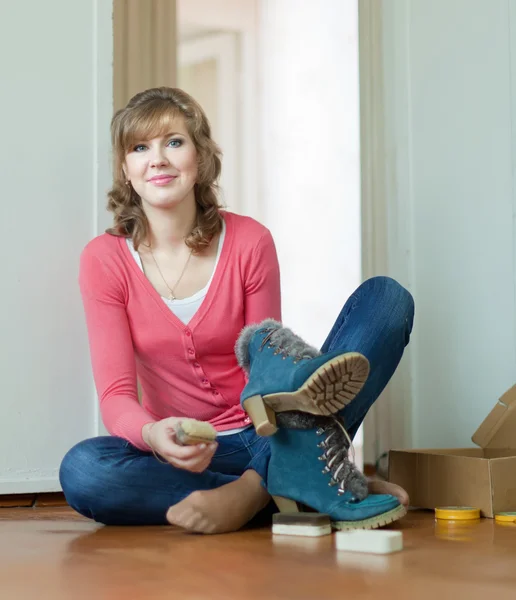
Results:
191 431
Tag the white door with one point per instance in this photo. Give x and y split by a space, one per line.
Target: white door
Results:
207 69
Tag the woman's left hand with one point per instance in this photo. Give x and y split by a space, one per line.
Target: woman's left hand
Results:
161 438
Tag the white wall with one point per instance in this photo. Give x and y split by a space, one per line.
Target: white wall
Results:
56 104
309 155
449 109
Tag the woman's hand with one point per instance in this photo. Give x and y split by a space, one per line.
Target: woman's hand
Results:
161 437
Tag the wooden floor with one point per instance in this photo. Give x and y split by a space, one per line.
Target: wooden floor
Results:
53 553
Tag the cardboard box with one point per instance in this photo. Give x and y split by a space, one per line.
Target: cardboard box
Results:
483 477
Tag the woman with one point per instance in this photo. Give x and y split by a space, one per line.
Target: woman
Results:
166 292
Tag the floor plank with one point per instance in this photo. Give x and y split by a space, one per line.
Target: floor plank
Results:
56 554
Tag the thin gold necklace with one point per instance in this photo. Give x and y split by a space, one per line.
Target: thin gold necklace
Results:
171 290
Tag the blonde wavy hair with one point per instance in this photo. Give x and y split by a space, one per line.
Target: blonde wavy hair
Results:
147 115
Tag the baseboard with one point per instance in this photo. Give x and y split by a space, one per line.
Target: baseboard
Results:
32 500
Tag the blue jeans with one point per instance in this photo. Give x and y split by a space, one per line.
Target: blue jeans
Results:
109 480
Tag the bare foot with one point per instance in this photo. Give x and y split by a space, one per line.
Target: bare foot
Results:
377 486
224 509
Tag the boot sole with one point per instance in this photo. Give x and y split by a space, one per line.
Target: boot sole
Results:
329 389
372 523
287 505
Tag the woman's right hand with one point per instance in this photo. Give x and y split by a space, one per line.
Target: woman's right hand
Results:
161 437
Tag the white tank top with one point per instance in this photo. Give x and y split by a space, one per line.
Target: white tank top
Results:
185 308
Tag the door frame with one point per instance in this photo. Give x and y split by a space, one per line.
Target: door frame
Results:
386 195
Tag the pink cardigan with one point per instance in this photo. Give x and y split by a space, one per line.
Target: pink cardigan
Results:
184 370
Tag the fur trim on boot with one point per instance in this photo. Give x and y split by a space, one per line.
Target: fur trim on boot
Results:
281 337
244 339
295 419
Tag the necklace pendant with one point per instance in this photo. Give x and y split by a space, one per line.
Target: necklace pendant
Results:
171 297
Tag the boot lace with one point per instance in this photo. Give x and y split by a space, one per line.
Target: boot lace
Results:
336 445
287 344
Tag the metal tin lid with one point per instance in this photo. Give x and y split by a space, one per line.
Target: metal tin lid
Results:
457 513
505 517
498 430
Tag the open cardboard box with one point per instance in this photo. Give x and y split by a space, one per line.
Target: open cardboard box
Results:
483 477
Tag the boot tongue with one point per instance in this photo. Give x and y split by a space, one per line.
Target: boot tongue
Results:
343 470
249 341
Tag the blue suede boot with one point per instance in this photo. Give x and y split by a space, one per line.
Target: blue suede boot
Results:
286 374
310 466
